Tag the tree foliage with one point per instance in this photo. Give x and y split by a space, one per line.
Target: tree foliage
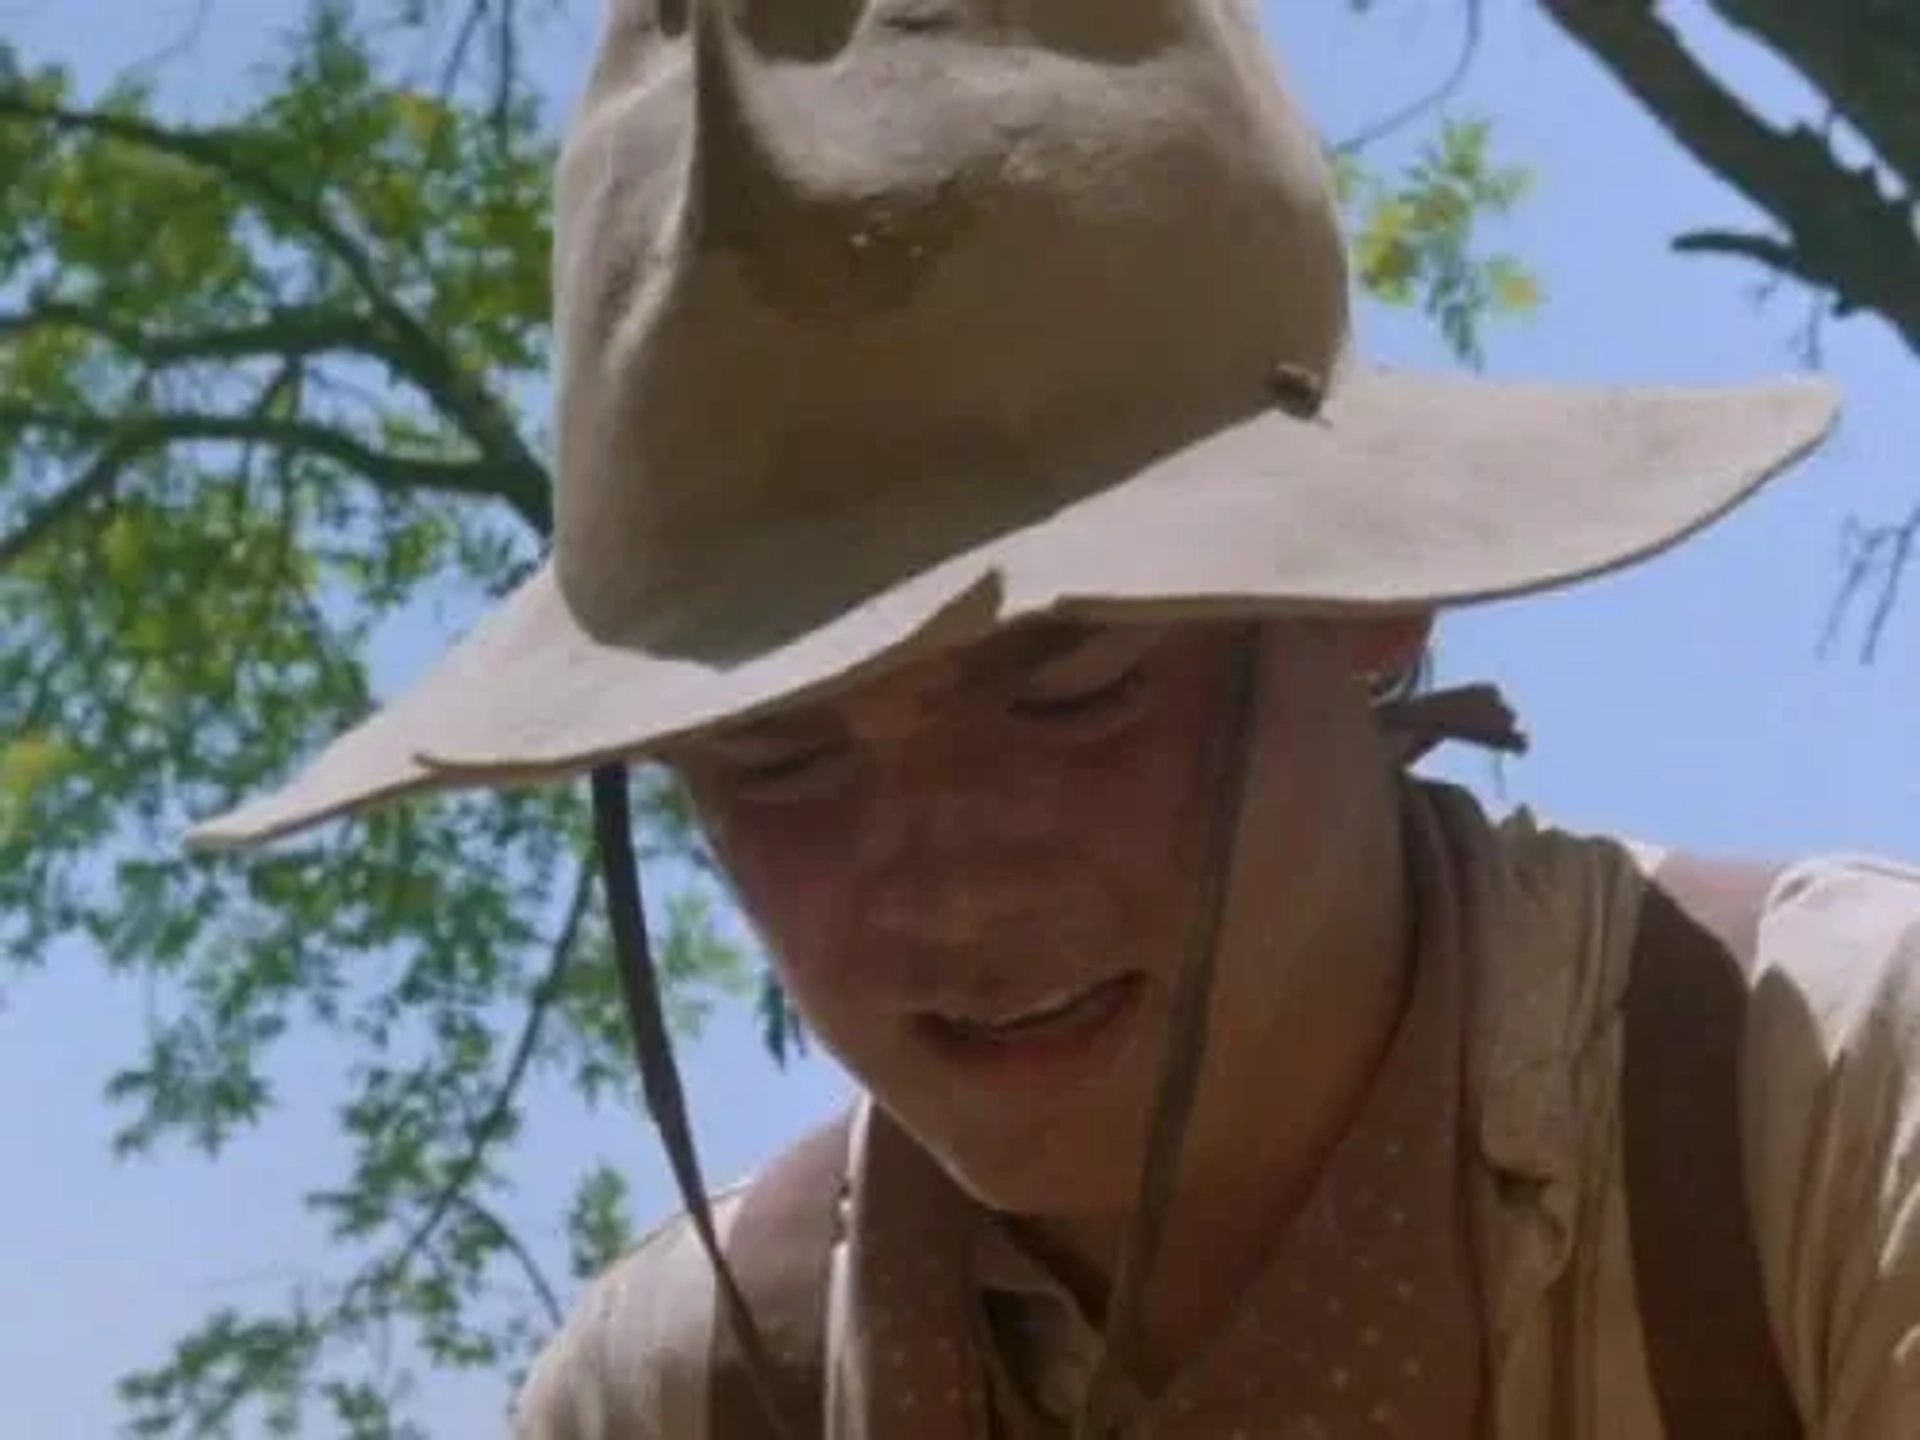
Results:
270 403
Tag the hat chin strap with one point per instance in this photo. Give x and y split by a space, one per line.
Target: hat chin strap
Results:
1186 1044
1477 714
659 1073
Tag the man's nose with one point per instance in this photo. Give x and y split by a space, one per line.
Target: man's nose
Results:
953 851
949 789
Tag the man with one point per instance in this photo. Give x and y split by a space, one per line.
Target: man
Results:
968 486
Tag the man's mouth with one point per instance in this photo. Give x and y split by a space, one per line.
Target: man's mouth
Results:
1051 1027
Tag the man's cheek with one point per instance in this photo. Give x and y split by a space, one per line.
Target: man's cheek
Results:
814 942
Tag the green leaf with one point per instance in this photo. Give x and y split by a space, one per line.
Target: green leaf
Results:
1416 234
599 1228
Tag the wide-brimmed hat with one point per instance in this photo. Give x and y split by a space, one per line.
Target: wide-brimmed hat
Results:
883 324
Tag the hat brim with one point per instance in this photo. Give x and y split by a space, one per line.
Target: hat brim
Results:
1406 492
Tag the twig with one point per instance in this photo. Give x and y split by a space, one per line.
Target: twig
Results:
510 1241
42 521
546 993
1886 552
463 39
1372 134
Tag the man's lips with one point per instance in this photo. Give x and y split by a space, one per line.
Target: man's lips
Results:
1046 1009
1051 1035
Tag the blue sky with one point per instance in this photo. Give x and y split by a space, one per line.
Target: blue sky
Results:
1687 700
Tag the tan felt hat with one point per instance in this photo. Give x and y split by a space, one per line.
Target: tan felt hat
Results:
886 323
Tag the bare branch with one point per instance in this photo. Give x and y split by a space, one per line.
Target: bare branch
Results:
1841 230
1881 558
182 44
1378 130
1768 250
504 44
511 1242
463 39
1859 55
487 1128
507 63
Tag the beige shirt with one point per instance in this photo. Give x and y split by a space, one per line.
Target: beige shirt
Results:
1832 1108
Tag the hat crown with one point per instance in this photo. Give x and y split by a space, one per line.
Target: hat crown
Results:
824 256
883 325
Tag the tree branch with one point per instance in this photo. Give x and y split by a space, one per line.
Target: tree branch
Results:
42 521
295 333
1844 233
546 992
510 1241
182 44
1784 263
1863 56
1378 130
140 435
506 65
463 39
1766 250
521 476
1882 557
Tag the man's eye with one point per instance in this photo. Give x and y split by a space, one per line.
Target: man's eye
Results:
791 772
1086 701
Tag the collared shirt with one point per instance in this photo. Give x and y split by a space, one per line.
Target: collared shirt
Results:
1831 1107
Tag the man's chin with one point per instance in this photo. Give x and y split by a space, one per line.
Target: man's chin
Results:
1042 1183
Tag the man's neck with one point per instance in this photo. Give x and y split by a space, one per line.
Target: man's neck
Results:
1244 1183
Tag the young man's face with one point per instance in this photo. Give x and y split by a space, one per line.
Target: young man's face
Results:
977 878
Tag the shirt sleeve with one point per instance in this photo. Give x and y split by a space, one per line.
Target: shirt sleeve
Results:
630 1363
1831 1109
